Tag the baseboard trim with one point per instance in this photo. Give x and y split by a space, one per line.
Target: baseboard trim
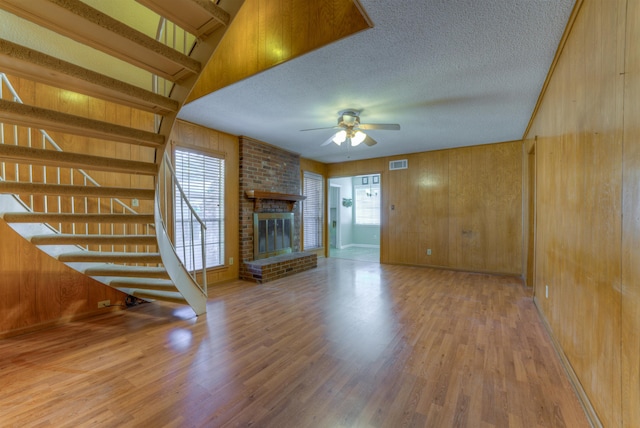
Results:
583 398
455 269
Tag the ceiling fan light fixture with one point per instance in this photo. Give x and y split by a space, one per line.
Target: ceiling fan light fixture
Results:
340 137
349 121
358 138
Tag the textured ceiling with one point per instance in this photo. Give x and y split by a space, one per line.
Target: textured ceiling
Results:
452 73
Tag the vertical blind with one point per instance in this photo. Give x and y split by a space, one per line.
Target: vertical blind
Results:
312 214
202 179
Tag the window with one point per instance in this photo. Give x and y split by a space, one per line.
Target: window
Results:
367 200
202 179
312 213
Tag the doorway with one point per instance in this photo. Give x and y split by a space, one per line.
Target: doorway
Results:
354 217
531 216
334 216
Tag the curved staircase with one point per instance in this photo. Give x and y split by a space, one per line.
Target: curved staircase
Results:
118 235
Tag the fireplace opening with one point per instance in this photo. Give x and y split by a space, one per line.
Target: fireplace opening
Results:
272 234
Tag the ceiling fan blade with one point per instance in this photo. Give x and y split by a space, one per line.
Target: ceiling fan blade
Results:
329 141
370 141
381 126
317 129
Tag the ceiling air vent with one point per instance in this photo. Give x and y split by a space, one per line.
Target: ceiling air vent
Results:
398 164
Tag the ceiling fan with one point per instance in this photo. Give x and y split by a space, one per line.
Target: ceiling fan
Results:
350 129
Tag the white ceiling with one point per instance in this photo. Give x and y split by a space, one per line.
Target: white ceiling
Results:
452 73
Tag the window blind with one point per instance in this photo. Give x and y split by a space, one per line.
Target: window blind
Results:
313 211
202 179
367 203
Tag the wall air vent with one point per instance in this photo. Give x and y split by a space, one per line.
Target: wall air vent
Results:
398 164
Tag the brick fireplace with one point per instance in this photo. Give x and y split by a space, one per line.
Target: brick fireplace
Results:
267 169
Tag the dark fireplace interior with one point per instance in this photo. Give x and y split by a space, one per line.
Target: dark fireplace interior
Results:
272 234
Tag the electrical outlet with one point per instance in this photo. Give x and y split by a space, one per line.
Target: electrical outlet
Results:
546 291
230 260
428 251
104 303
135 203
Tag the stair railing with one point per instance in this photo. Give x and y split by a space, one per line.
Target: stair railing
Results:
182 248
177 38
181 225
158 84
58 175
171 200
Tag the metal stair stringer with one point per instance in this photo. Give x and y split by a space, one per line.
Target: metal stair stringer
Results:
195 296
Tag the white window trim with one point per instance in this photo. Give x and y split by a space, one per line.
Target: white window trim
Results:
313 213
359 201
214 219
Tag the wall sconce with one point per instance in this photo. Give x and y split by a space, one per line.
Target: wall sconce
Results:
347 202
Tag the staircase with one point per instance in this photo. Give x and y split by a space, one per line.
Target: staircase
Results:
120 235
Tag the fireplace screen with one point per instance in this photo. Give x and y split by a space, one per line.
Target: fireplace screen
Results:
272 234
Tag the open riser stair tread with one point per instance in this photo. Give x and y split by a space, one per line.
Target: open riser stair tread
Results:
87 25
143 284
30 217
54 158
77 239
127 271
40 67
199 17
71 190
110 257
165 296
51 120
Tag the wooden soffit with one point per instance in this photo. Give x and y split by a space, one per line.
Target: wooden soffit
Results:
266 33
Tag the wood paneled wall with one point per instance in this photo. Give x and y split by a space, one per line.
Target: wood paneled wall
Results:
587 158
37 291
630 289
197 137
269 32
463 204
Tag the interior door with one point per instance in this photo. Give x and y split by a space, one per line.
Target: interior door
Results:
334 214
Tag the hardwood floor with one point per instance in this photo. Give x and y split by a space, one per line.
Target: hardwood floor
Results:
347 344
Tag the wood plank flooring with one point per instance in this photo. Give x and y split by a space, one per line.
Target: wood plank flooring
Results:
349 344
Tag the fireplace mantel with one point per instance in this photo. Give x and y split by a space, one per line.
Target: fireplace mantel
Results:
259 195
